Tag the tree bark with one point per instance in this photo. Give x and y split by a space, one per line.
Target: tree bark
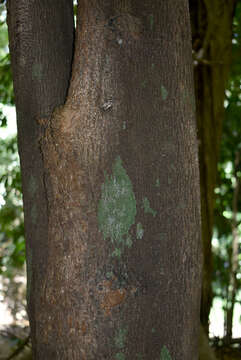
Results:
212 52
117 273
41 36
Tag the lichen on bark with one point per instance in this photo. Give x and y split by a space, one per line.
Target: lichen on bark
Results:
117 208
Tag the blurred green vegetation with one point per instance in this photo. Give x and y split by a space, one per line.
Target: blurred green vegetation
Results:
12 252
228 192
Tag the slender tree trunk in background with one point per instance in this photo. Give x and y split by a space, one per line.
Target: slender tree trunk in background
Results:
212 46
206 352
112 207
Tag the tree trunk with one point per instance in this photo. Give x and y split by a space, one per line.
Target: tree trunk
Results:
212 49
115 272
205 350
41 35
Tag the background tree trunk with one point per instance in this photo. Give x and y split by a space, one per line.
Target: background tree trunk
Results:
116 269
212 52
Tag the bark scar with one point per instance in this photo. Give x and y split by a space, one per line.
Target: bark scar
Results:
112 297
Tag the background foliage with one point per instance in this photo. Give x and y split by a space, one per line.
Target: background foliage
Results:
11 215
228 194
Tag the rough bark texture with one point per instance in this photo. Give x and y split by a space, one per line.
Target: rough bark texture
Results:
212 49
119 277
41 35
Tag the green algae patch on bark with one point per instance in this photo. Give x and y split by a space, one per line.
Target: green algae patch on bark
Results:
151 21
139 231
164 92
117 208
120 338
165 355
147 208
120 356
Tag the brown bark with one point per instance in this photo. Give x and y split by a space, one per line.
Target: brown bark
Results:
212 49
41 35
120 168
